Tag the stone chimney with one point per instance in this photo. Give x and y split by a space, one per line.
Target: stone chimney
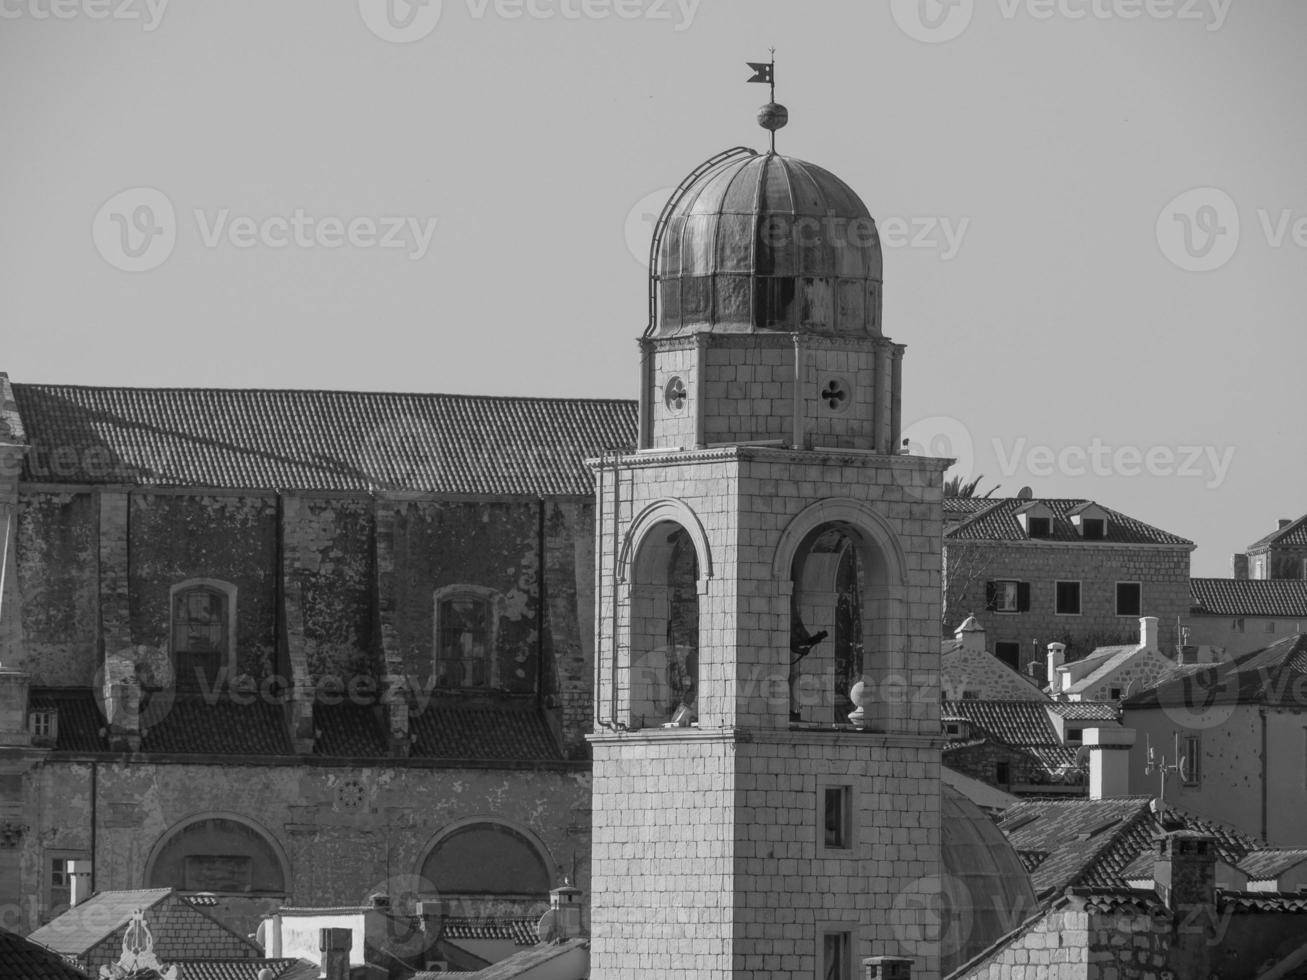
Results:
1056 658
565 903
886 968
335 945
1284 522
1239 565
971 635
1109 761
79 882
13 707
1148 632
1184 874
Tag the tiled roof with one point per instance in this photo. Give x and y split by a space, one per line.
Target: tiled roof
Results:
1293 533
247 969
1260 902
22 958
1269 864
1084 710
349 730
517 964
80 723
999 523
1020 724
521 931
1272 675
484 732
196 725
1283 598
84 925
319 440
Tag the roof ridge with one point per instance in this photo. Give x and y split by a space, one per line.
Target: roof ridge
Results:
177 389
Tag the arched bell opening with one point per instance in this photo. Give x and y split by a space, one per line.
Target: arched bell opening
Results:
664 628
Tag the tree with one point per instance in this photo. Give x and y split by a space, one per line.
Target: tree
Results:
954 487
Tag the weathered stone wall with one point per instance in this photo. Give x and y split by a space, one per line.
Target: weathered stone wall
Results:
1163 572
1053 947
985 677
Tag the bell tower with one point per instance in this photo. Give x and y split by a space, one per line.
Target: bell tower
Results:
765 557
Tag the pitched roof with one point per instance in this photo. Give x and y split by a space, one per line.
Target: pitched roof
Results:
349 730
518 963
487 732
318 440
1293 533
1269 864
23 958
80 722
1016 723
246 969
84 925
517 930
193 724
1084 710
999 523
1283 598
1273 675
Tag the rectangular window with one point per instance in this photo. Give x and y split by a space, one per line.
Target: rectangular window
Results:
1114 694
952 728
1009 653
1191 762
1007 595
1067 599
1093 528
43 724
970 696
464 640
1075 736
1003 773
837 818
836 956
1040 527
1129 599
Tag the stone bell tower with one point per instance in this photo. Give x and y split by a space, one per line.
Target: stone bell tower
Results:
765 552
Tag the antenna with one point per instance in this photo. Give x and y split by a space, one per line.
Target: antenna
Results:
1158 764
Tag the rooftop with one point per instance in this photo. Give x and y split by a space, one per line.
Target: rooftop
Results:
999 523
1281 598
1293 533
1273 675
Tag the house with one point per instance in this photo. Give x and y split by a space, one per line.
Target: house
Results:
1232 735
1241 615
250 639
968 670
23 958
1109 673
1282 554
1061 571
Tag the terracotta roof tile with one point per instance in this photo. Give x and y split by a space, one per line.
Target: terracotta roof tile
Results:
193 724
1020 724
1085 710
81 927
1267 865
1274 675
1293 533
483 732
521 931
320 440
22 958
1282 598
80 722
348 730
247 969
999 523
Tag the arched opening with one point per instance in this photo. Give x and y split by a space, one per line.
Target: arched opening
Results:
664 628
489 869
219 854
842 616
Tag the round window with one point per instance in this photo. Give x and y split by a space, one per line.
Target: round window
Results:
675 396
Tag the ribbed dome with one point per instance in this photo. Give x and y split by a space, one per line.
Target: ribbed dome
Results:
767 242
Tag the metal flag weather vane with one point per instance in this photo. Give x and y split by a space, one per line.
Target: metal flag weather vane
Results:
772 116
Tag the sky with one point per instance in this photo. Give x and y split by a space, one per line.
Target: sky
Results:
1094 212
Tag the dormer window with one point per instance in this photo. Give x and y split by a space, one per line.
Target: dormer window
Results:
1075 736
44 726
1039 527
1036 519
1090 520
1093 528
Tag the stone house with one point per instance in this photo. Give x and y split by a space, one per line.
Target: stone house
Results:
1061 571
969 671
296 646
1242 615
1110 673
1282 554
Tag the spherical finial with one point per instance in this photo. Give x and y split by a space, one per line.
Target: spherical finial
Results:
773 116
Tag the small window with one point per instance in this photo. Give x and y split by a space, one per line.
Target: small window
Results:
1067 599
1075 736
836 956
970 696
952 728
1191 769
1114 694
837 817
1093 528
1129 599
44 725
1270 626
202 616
1003 773
1009 653
1007 595
464 640
1039 527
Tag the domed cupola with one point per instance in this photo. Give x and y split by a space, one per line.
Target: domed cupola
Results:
765 311
760 241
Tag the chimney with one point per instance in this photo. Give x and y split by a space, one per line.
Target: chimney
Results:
1109 761
335 945
1284 522
1056 658
13 707
971 635
1239 565
886 968
1148 632
1184 874
79 882
565 903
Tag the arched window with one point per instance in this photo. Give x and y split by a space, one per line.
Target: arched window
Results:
664 628
487 859
466 620
203 619
218 854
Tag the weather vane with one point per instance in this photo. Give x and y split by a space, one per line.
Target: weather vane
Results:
773 115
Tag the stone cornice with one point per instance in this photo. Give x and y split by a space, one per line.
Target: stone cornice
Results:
783 736
772 454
